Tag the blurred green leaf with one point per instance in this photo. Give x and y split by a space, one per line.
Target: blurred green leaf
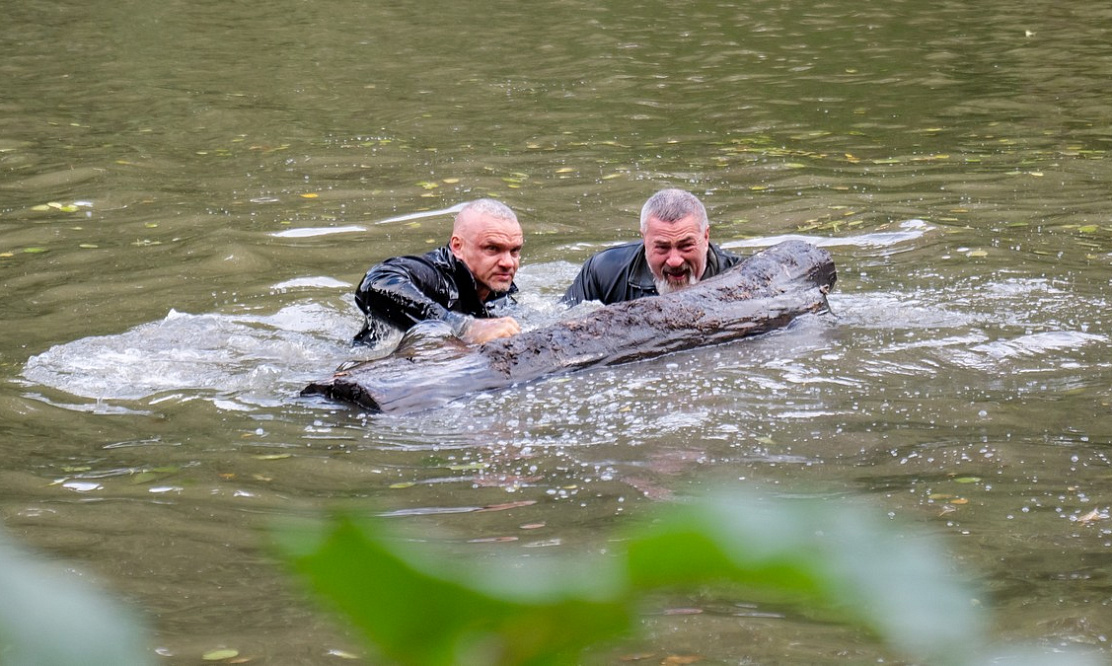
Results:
51 617
418 616
828 553
817 554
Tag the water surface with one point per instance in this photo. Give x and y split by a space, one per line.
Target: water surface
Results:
190 191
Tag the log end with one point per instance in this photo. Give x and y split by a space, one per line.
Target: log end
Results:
337 389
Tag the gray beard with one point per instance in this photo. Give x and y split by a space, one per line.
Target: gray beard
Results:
665 287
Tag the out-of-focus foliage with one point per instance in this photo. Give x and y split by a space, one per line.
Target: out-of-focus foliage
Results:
419 609
50 616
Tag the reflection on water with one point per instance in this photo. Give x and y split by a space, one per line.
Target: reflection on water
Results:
908 231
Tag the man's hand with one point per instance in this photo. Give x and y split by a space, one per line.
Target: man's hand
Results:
481 330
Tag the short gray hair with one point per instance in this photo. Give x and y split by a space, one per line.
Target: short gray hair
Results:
673 204
491 207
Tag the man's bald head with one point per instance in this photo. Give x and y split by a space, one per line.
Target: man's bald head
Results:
487 238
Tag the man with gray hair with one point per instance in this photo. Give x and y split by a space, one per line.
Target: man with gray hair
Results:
461 283
674 252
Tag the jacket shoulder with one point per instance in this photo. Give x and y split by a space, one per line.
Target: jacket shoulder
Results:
726 259
605 275
613 258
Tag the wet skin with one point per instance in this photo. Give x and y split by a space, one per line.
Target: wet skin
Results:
676 251
491 248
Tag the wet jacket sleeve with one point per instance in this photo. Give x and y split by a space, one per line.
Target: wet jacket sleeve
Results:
407 290
580 289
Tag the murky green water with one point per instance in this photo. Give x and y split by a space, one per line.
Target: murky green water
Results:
188 192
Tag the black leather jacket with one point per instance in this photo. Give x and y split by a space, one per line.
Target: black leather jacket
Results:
402 291
622 274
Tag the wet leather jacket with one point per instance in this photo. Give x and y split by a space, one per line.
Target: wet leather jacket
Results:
403 291
622 274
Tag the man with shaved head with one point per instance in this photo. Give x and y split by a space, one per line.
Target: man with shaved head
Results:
674 252
461 283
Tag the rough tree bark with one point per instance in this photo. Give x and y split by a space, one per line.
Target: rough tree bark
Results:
762 293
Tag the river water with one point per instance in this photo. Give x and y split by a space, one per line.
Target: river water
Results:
189 192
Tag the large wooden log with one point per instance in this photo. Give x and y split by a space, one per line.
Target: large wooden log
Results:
762 293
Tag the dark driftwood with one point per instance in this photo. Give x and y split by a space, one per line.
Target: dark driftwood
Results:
764 292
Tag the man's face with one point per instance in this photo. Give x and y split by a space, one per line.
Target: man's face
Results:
491 248
676 252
